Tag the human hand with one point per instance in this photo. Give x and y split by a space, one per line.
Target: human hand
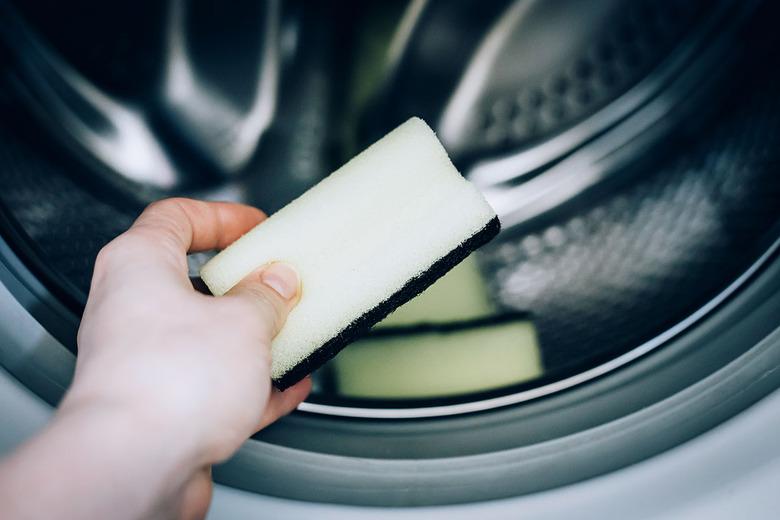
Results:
189 369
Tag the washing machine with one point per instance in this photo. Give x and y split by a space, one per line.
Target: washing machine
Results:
613 353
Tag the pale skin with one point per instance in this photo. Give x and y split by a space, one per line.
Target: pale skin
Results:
168 381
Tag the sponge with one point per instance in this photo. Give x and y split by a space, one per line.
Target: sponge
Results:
365 240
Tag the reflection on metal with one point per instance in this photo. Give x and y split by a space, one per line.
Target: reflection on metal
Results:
122 135
406 26
460 107
455 320
584 168
227 134
495 171
116 134
531 182
557 386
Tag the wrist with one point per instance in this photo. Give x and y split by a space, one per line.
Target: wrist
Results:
110 461
131 429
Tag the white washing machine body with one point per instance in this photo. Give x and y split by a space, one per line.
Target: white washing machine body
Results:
730 471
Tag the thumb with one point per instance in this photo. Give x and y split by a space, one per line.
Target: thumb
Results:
273 290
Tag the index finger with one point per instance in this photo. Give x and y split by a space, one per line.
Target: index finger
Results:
177 226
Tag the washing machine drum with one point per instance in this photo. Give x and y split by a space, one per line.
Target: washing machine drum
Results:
632 151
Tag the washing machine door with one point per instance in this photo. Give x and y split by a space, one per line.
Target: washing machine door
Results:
618 339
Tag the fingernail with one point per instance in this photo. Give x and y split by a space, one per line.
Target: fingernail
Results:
282 278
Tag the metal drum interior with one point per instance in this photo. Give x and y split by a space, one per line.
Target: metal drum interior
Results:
633 162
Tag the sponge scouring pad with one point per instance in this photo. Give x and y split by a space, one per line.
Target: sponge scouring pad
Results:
365 240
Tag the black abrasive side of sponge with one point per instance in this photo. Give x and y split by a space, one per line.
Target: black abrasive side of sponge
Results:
411 289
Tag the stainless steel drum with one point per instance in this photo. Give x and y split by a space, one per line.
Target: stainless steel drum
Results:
631 150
